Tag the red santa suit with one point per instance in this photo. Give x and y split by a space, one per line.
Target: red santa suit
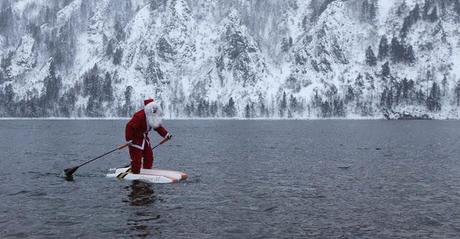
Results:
137 130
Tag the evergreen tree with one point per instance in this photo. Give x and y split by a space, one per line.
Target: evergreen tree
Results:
388 101
368 11
326 109
189 109
415 13
107 89
8 96
293 105
407 87
383 98
92 82
338 108
409 21
401 9
433 14
52 86
109 48
350 95
397 50
263 111
67 102
94 107
92 87
117 56
409 55
383 48
371 60
433 101
118 28
283 105
386 69
286 44
426 8
203 108
50 16
404 88
372 11
5 64
457 7
127 108
457 92
364 10
153 73
420 97
430 75
445 85
229 109
213 109
247 111
34 30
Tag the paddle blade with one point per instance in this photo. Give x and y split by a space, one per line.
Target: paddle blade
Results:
69 171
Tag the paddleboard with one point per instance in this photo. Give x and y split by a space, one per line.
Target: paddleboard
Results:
149 175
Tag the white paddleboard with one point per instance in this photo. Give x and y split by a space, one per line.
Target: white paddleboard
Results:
149 175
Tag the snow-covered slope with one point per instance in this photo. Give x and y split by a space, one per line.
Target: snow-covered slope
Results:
220 58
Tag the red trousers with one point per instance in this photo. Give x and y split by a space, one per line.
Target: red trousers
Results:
137 155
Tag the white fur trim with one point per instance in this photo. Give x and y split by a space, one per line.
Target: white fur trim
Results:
153 115
141 147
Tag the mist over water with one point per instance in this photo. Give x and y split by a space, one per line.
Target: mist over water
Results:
247 179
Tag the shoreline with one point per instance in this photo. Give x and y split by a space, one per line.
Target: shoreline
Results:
207 118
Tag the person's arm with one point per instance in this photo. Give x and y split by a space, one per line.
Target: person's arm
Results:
163 132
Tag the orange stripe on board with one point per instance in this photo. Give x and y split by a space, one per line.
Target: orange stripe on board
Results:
172 179
183 176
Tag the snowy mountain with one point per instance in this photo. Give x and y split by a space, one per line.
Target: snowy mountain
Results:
230 58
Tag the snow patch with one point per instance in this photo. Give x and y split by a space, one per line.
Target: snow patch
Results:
64 15
384 8
24 58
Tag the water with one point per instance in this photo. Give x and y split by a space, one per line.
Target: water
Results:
247 179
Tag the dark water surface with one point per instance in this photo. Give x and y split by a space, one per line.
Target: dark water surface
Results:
247 179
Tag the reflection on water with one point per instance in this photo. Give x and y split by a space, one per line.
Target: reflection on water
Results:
142 197
141 194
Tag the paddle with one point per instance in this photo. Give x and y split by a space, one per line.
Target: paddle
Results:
162 142
69 171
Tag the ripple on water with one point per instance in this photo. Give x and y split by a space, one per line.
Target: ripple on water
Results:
296 179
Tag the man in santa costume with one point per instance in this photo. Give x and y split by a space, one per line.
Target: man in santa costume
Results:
137 130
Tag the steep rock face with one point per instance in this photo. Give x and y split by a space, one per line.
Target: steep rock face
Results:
233 76
219 58
347 70
328 58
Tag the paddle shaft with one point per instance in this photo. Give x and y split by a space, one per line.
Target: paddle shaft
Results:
162 142
100 156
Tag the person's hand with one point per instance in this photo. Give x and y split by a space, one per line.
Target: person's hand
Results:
168 136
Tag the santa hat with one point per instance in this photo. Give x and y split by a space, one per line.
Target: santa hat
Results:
147 101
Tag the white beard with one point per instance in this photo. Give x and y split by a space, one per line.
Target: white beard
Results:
153 119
